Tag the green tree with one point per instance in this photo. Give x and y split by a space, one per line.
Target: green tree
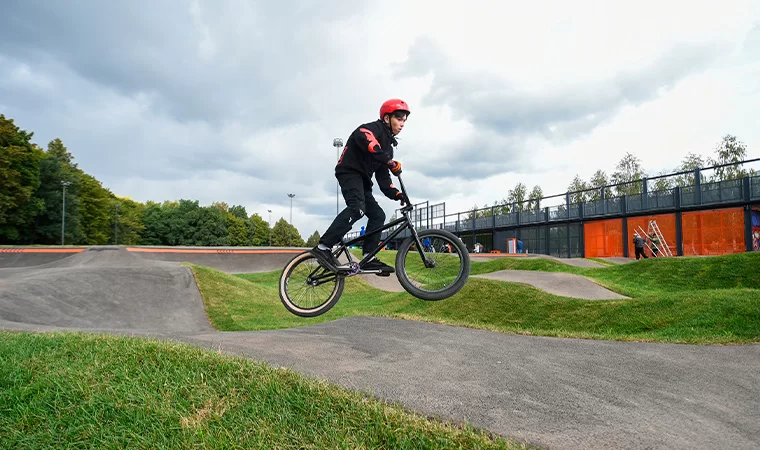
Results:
19 180
209 227
170 222
130 220
577 190
502 207
597 181
185 221
237 228
534 198
260 230
241 229
155 225
485 211
56 168
238 211
97 211
662 184
313 240
518 196
690 163
627 171
730 150
281 235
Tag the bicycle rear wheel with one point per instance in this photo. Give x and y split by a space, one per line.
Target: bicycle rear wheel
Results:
444 272
307 289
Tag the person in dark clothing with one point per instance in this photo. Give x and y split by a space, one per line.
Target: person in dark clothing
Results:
368 152
638 245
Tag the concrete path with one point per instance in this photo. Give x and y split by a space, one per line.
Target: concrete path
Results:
577 262
225 259
619 260
557 393
551 392
580 262
557 283
103 288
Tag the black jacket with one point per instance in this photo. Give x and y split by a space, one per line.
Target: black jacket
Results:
367 152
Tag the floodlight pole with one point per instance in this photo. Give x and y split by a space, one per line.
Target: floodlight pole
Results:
270 227
63 211
337 143
291 218
116 226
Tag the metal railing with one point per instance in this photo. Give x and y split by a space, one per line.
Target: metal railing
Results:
530 212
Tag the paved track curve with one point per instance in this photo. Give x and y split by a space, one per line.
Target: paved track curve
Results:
551 392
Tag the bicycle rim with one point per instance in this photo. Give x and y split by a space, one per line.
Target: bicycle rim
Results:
307 289
449 271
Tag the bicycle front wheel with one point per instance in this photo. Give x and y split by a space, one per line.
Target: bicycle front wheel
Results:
442 272
307 289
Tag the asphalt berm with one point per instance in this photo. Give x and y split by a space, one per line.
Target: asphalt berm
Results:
551 392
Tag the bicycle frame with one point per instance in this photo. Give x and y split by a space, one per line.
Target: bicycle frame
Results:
406 224
344 246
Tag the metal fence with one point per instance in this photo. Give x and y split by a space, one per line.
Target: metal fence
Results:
528 213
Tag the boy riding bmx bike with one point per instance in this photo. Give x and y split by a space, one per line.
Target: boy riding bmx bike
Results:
367 153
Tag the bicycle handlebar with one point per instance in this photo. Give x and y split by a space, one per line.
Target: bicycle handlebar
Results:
408 206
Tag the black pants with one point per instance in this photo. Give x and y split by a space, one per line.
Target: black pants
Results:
359 202
640 251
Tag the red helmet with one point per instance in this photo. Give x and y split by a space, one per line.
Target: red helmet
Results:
393 105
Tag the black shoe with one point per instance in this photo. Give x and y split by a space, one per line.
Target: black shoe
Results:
326 258
375 264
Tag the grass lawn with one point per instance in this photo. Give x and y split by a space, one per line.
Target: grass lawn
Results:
712 300
92 391
72 390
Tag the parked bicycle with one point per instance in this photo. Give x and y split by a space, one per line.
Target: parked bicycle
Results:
307 289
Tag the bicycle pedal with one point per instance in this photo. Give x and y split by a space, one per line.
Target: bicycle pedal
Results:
377 272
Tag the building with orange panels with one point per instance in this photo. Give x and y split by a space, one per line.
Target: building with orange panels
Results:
700 217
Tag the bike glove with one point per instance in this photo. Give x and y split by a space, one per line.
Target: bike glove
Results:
402 198
395 167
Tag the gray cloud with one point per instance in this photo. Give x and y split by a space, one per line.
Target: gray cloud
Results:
507 117
751 44
239 101
167 90
500 106
227 61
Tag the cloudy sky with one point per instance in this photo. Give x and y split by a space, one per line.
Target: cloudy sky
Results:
239 101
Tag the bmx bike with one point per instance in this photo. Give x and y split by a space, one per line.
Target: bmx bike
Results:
307 289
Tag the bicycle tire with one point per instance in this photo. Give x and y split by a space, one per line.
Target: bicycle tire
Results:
286 293
452 287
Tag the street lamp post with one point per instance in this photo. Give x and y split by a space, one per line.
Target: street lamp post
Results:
116 225
291 218
337 143
63 211
270 227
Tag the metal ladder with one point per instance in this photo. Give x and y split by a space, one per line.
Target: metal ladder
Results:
653 228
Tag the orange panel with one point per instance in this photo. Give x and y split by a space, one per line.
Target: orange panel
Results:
714 232
603 238
666 223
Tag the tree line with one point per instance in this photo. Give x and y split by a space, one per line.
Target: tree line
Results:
624 179
32 200
32 185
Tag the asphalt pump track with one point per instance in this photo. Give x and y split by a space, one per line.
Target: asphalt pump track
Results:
551 392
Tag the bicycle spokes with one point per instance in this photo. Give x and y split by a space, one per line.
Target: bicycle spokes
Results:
309 285
441 268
